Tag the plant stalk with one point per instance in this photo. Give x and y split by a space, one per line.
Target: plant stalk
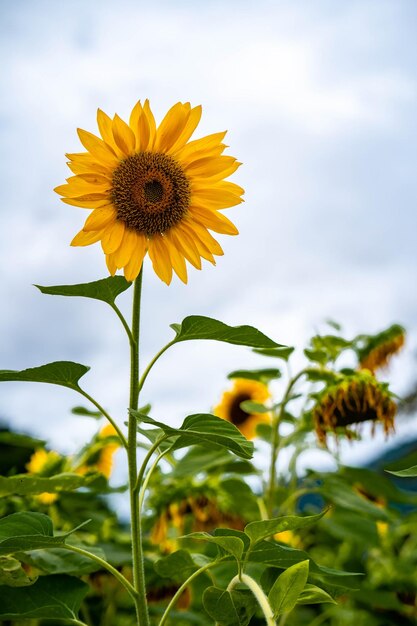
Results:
259 595
137 548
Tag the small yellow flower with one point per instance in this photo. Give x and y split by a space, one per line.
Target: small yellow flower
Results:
358 398
378 349
151 190
230 409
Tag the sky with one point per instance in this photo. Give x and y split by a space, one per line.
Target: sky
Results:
319 100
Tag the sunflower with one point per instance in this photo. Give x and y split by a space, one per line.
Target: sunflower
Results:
151 190
100 455
358 398
230 409
378 349
44 463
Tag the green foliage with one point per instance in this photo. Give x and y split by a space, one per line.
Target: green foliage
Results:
287 588
229 608
409 472
257 531
106 289
64 373
262 376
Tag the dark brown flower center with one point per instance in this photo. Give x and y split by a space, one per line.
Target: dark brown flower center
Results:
237 415
151 192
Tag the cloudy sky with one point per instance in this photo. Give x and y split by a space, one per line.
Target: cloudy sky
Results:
320 102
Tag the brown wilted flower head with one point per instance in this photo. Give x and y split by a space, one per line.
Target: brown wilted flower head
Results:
377 350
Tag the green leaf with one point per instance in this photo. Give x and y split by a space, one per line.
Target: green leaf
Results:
28 531
51 597
253 407
410 472
83 412
232 545
234 608
282 352
262 376
318 375
105 290
64 373
25 484
63 561
178 566
257 531
318 356
287 588
200 327
204 428
12 573
314 595
203 459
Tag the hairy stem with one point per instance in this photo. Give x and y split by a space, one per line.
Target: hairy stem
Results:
104 412
258 593
152 363
137 548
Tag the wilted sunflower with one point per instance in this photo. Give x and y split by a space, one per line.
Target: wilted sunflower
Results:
152 190
378 349
230 409
358 398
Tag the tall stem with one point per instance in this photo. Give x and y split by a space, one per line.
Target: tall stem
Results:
259 595
137 549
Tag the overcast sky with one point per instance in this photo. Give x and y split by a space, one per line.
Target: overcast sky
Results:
320 101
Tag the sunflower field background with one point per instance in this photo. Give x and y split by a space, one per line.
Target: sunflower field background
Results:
281 450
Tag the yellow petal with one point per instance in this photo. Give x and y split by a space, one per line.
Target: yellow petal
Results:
124 253
135 115
111 265
112 236
160 258
177 260
85 203
93 178
123 136
207 238
95 146
203 250
100 217
84 238
190 126
132 269
105 126
209 166
216 177
185 244
197 145
215 198
214 221
87 168
171 127
151 124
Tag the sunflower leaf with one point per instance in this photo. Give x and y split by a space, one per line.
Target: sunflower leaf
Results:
409 472
200 327
311 594
256 531
229 608
106 289
232 545
203 428
63 373
54 597
25 484
262 376
281 352
84 412
253 407
288 587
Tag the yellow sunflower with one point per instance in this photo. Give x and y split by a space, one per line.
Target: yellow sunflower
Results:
44 463
230 409
377 350
358 398
152 190
100 456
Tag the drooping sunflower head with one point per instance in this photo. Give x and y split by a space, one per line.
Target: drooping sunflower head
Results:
377 350
230 409
356 399
151 190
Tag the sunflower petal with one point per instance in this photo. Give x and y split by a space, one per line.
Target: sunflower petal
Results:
100 218
209 166
105 126
171 126
123 136
132 269
197 145
207 239
95 146
84 238
160 258
182 240
151 124
203 250
127 247
177 260
112 236
213 220
111 265
215 198
190 126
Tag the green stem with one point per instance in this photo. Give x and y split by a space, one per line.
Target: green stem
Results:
146 460
152 363
148 476
137 548
182 588
122 319
104 412
105 565
275 440
258 593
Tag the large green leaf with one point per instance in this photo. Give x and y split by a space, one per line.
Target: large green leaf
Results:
25 484
200 327
63 561
178 566
257 531
232 545
203 428
28 531
409 472
203 459
105 290
285 591
64 373
51 597
234 608
262 376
